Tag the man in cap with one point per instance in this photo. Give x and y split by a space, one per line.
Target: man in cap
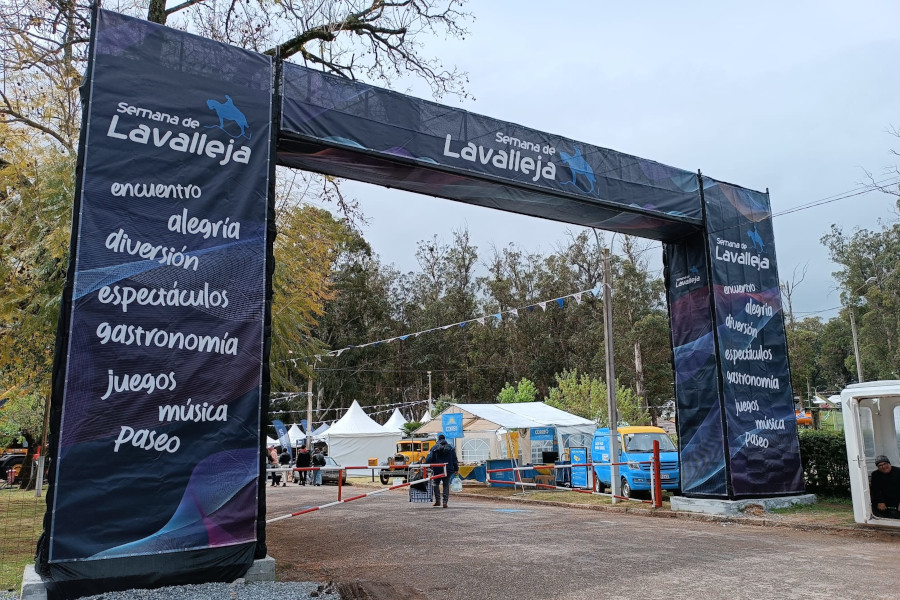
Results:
884 488
442 452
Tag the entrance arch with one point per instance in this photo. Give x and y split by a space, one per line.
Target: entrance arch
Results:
160 371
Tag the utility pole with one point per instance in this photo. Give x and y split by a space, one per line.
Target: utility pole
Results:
610 378
430 405
859 372
309 426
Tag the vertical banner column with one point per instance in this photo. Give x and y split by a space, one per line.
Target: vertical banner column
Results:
158 440
698 401
761 431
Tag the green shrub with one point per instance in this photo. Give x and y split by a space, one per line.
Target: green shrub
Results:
824 456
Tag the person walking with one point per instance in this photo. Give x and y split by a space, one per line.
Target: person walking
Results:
304 460
318 460
442 452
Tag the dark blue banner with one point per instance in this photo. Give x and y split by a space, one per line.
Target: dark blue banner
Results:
350 129
758 400
698 402
158 444
283 438
542 433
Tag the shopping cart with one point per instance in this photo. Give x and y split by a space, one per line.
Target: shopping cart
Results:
419 492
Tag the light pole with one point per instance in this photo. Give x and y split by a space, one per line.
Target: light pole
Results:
610 379
859 371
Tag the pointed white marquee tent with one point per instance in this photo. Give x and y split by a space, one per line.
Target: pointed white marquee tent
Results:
296 435
396 422
356 438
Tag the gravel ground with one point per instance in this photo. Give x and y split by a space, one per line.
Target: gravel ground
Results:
288 590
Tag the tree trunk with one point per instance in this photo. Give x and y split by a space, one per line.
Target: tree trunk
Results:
639 378
156 12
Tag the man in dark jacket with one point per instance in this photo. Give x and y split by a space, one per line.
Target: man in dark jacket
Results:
284 462
442 452
303 461
318 460
884 488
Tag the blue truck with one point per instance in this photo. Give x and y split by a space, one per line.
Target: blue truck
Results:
636 449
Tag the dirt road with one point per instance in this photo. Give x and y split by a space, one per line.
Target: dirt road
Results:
384 547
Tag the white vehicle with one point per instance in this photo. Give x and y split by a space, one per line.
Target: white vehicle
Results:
871 427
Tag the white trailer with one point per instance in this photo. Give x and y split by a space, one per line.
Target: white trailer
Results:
871 427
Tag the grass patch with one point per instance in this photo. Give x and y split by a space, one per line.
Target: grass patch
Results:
21 523
835 506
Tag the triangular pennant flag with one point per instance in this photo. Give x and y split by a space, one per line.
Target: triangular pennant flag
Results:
514 312
596 292
341 351
577 297
499 316
543 306
390 340
403 337
463 324
531 308
446 326
561 302
481 320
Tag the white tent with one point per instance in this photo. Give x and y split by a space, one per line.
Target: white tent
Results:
318 431
395 423
497 430
270 443
296 435
356 438
426 416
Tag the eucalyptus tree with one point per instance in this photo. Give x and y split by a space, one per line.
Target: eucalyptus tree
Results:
869 280
435 299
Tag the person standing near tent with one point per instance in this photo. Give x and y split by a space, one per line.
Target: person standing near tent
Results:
284 462
442 452
304 460
318 460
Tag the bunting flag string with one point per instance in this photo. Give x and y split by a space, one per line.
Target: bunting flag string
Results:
389 409
482 320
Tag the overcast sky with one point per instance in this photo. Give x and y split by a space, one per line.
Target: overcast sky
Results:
796 97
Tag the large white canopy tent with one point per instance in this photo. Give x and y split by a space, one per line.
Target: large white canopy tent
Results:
355 438
488 429
396 422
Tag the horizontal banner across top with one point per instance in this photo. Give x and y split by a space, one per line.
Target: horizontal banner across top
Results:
350 129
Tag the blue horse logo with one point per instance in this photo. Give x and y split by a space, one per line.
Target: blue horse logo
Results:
755 238
578 166
694 271
229 112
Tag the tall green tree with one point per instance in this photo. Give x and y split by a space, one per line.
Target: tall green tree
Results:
586 396
869 279
523 391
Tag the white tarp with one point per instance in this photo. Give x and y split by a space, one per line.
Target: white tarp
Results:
396 422
491 424
356 438
296 435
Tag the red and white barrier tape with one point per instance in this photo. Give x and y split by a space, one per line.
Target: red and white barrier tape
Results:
351 499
